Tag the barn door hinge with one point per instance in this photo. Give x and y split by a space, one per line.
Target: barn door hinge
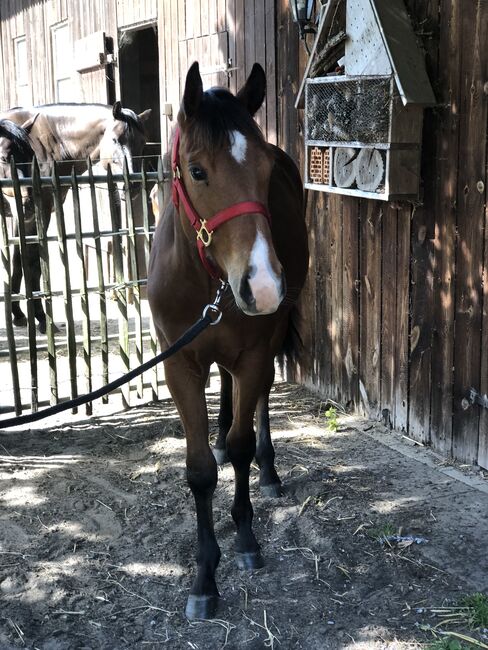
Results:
475 398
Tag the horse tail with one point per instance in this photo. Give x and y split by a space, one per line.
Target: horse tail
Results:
292 347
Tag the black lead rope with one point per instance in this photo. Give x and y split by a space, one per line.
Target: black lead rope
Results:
211 316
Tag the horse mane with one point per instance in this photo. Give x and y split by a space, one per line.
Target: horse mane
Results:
20 138
219 113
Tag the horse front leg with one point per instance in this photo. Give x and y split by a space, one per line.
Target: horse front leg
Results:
241 447
269 481
19 317
186 382
225 416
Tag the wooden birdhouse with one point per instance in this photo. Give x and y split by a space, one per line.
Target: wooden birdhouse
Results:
363 126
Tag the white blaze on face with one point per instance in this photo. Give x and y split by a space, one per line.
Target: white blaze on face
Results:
238 146
264 283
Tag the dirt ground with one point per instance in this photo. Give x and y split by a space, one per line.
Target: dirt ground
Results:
97 537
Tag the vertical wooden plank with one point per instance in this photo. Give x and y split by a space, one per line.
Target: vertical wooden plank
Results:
41 220
258 37
7 292
483 429
68 305
101 283
250 44
421 324
448 94
270 67
322 353
85 307
336 295
401 349
120 289
389 312
471 212
370 337
350 301
240 48
287 66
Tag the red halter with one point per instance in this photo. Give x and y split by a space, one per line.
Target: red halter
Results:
206 227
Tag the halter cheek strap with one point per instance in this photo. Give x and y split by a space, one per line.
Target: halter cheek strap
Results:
206 227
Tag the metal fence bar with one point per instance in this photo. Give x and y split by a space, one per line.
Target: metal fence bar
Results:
27 259
7 283
68 305
46 281
101 283
147 252
134 273
85 307
120 291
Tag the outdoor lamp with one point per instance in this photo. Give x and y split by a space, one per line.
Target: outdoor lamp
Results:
302 14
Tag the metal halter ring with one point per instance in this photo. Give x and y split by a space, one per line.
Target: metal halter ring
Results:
205 235
215 312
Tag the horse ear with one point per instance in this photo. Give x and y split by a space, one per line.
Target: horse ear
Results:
193 91
117 110
254 90
145 115
28 124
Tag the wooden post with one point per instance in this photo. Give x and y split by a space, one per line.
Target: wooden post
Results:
101 283
42 224
28 287
68 304
120 289
85 307
7 293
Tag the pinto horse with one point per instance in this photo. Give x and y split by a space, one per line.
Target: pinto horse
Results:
69 134
236 217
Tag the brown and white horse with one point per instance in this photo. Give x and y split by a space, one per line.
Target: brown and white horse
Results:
69 134
242 199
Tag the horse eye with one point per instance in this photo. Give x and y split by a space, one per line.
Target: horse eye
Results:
198 174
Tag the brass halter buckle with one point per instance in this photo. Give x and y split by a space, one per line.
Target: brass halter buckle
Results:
205 235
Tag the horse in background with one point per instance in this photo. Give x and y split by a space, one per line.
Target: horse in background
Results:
236 217
69 134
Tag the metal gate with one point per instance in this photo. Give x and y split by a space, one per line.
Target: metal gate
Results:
93 258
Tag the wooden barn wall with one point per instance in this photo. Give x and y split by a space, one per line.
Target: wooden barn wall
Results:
395 315
395 310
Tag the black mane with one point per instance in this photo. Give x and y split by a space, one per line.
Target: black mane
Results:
22 151
219 113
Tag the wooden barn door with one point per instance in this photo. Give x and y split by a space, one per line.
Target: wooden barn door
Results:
94 55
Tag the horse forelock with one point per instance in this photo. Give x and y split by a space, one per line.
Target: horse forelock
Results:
219 115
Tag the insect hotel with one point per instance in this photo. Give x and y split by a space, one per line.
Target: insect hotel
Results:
363 127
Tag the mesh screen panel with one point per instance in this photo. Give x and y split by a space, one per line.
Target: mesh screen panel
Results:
354 110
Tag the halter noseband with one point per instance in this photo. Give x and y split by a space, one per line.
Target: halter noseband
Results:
206 227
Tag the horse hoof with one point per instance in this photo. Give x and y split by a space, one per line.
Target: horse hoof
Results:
220 456
42 328
272 490
20 321
249 561
201 607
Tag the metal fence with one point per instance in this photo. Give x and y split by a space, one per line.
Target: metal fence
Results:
93 257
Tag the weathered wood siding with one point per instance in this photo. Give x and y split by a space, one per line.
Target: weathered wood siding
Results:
395 311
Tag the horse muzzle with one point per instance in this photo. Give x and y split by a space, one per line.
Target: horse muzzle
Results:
258 293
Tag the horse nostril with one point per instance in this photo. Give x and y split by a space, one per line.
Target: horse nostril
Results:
245 290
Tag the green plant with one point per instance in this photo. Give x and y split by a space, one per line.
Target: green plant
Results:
447 643
331 417
478 606
382 532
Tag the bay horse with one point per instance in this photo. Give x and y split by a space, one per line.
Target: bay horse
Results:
69 134
236 217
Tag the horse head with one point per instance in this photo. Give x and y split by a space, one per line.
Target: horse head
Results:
124 137
16 144
225 167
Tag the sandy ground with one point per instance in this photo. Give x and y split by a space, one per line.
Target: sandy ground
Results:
97 536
